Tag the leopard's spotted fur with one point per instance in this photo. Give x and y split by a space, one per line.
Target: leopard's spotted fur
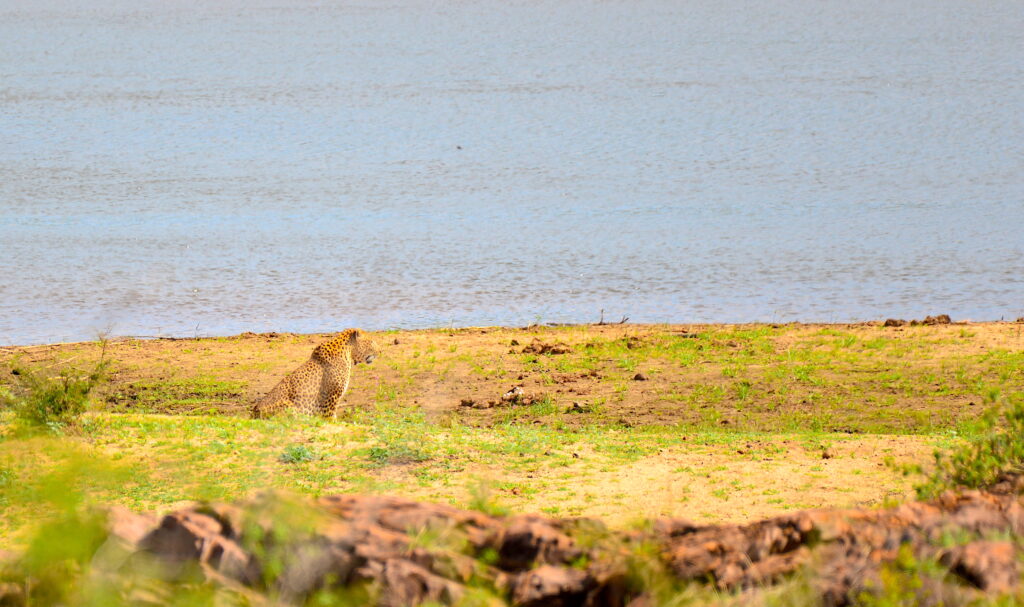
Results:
316 387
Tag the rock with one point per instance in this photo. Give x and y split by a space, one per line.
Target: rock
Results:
850 547
987 565
1008 483
467 402
125 533
827 453
578 408
640 377
308 567
514 395
406 583
528 540
227 558
12 594
941 319
410 552
129 527
894 322
739 557
551 586
181 536
674 527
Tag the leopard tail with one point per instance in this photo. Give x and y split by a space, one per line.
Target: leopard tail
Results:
274 401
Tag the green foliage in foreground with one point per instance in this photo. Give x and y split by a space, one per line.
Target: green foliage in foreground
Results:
43 400
996 447
70 561
60 558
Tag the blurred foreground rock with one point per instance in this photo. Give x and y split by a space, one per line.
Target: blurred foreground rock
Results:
401 552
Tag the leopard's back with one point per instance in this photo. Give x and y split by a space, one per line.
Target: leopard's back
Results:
317 386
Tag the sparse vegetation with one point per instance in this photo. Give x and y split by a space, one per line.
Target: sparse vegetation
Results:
996 447
201 394
715 406
41 398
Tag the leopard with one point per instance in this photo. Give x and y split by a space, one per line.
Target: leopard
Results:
318 385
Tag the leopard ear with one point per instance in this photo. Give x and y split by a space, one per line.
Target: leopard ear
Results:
353 337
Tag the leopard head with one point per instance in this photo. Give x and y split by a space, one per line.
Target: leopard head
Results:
364 348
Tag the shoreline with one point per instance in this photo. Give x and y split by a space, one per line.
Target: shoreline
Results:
551 325
859 377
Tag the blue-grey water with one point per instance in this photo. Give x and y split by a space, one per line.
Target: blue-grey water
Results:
181 167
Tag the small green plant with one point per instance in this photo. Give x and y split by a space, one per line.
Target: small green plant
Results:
44 400
296 454
902 582
998 447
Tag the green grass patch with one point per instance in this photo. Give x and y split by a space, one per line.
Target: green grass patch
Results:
197 395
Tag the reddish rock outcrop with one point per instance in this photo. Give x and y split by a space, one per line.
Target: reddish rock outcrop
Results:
406 553
849 547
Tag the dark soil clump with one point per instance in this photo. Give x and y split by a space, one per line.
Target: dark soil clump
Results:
539 347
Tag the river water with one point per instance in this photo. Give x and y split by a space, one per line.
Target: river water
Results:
177 167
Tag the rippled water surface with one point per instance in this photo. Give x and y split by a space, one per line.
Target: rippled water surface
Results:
181 167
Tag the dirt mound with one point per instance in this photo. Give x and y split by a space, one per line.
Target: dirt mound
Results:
401 552
268 335
539 347
940 319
